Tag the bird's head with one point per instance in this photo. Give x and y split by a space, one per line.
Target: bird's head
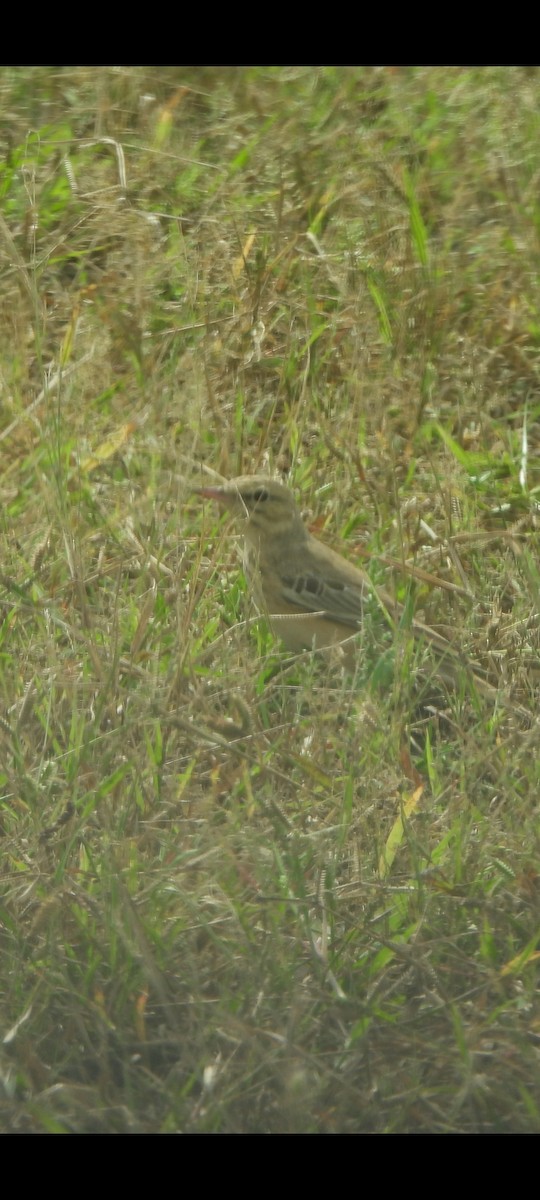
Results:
268 508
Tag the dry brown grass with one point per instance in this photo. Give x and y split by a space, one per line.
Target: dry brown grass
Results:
239 893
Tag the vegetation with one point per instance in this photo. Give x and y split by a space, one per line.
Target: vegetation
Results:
242 893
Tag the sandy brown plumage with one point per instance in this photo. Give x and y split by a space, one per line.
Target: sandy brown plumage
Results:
313 597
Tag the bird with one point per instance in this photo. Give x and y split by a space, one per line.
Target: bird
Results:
313 597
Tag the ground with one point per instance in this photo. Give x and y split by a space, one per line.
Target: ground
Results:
240 892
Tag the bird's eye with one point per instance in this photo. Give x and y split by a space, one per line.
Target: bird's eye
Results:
260 494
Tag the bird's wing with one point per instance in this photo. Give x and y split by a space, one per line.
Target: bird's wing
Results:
339 601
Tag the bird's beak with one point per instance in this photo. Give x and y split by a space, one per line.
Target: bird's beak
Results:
212 493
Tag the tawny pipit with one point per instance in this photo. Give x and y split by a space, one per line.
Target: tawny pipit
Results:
313 597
